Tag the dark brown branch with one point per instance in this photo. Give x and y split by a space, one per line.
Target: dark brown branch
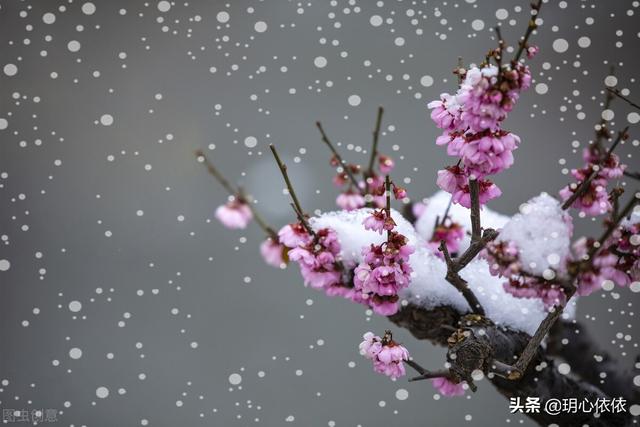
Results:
532 346
482 345
633 175
617 93
344 166
635 198
216 174
475 209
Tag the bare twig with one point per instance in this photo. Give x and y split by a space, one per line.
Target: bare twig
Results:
239 192
344 166
374 144
535 9
296 203
617 93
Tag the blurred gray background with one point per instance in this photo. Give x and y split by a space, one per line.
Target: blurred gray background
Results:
116 276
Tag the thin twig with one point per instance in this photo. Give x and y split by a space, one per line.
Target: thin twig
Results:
240 193
216 174
326 140
633 175
374 144
292 193
532 26
617 93
424 373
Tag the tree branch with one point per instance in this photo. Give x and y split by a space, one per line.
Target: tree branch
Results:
333 149
617 93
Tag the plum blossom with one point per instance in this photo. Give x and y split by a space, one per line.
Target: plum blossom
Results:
379 221
385 269
504 261
318 259
385 164
471 120
273 252
235 214
532 51
600 168
451 232
386 354
447 387
350 200
293 235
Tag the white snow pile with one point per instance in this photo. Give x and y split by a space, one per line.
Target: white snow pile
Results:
542 232
429 287
436 206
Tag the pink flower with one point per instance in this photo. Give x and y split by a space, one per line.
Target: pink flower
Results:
488 153
378 221
488 191
293 235
318 260
371 345
446 387
387 355
594 201
389 360
384 306
399 193
451 179
273 252
350 200
532 51
451 232
446 112
385 164
235 214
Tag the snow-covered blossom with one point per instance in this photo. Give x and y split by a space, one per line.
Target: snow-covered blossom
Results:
447 387
350 200
273 252
293 235
234 214
471 120
532 250
386 354
379 221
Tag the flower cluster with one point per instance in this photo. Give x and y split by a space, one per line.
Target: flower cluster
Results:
471 120
318 258
504 261
235 214
385 268
386 354
618 261
354 197
594 200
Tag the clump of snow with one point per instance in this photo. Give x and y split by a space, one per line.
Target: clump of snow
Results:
428 287
542 232
436 206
